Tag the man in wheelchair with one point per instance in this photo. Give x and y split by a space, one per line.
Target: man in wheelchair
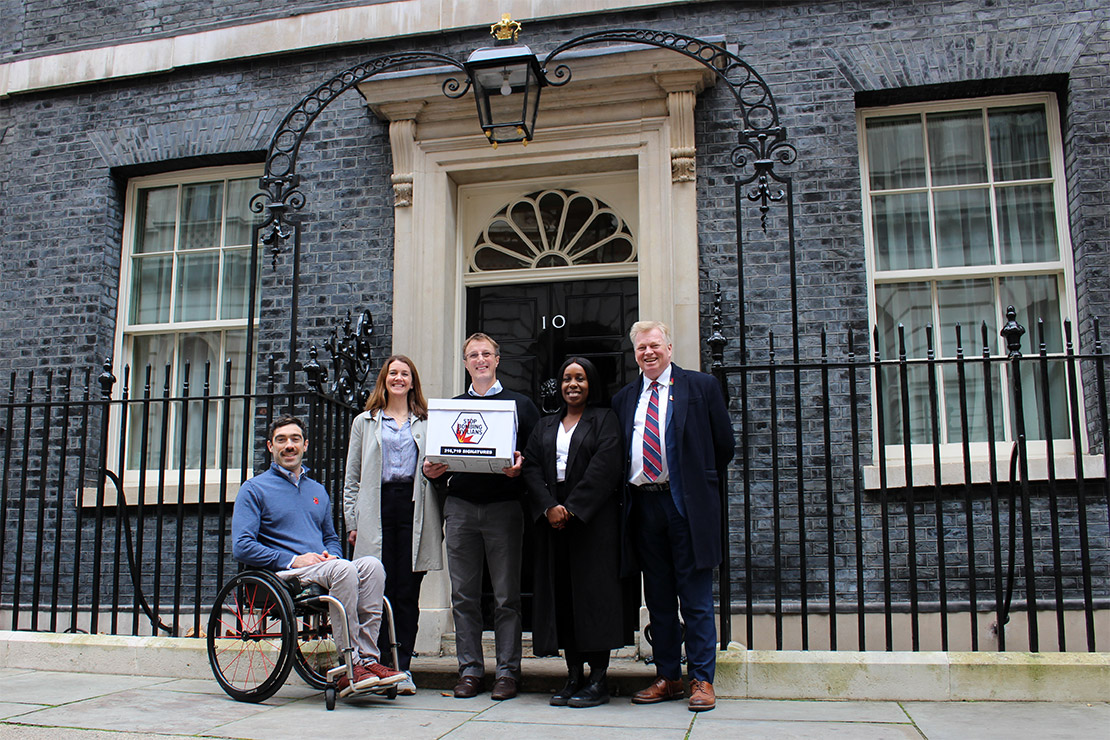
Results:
283 522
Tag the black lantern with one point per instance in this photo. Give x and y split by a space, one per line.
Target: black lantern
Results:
507 79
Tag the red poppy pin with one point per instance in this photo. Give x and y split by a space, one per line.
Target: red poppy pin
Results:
315 500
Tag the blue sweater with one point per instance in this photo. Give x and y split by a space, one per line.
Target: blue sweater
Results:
276 520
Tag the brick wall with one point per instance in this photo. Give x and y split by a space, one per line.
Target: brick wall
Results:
66 154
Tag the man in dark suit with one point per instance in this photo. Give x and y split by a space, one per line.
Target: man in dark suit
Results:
680 441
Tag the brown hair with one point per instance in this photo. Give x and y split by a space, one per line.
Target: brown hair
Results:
283 421
418 405
481 337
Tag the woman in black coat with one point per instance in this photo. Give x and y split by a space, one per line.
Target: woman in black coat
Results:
572 469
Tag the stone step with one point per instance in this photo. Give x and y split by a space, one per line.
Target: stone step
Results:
627 672
539 675
447 646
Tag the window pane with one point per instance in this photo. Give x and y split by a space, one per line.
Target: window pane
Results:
196 287
964 232
154 222
1019 143
156 353
235 350
201 208
957 153
968 303
150 290
197 350
1027 224
901 224
909 304
895 152
239 216
1036 298
235 293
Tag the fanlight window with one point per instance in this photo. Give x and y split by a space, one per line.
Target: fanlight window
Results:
553 228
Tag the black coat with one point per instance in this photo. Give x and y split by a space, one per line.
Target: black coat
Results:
700 444
591 540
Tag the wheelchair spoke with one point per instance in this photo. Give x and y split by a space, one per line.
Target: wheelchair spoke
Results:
251 636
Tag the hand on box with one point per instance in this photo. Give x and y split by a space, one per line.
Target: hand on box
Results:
518 462
433 470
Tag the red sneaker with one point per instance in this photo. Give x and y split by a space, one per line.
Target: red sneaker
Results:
382 676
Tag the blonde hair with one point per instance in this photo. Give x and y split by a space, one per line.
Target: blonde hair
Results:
641 326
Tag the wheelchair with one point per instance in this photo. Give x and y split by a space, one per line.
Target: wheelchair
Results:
261 627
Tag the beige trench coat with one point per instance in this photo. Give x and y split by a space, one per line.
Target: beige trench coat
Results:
362 495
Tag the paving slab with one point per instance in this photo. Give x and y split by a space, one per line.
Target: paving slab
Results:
50 687
708 728
146 710
533 709
364 718
513 731
11 709
1009 720
17 732
809 711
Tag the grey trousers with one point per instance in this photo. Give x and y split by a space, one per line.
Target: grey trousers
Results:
359 586
492 533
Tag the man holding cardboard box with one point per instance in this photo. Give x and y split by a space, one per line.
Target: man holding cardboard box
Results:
484 521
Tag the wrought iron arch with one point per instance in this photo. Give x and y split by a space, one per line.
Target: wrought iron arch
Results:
763 143
280 197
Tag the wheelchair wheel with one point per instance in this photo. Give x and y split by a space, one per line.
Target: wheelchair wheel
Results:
250 636
315 651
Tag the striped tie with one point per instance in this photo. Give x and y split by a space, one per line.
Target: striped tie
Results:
653 455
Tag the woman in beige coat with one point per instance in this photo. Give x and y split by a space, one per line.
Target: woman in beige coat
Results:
391 509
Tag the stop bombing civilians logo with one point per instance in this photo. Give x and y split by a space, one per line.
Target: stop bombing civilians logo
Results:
469 428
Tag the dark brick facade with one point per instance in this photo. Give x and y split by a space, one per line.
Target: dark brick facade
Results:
66 156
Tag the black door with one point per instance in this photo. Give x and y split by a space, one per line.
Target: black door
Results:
537 326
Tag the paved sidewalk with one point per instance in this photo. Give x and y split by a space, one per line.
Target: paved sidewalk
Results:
44 704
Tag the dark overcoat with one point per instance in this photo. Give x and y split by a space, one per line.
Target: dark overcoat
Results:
699 442
592 487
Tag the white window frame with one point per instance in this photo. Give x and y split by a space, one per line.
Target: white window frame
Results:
126 332
952 469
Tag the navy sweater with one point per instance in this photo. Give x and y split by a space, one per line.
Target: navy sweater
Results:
276 520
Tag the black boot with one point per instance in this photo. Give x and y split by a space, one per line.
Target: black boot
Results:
570 688
593 694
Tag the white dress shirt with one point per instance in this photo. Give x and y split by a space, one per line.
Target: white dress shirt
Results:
562 450
637 477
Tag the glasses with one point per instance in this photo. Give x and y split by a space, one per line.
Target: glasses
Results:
479 355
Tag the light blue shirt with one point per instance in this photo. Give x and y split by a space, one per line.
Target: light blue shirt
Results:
493 390
398 451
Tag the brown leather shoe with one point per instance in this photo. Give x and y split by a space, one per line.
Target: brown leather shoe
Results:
503 688
467 687
661 689
702 698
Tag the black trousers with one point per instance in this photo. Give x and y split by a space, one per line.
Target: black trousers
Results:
402 585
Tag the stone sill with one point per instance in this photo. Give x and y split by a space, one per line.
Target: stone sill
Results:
952 468
86 496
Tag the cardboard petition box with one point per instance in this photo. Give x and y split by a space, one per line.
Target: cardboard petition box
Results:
471 436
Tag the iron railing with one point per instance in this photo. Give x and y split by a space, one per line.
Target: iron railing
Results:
104 530
1003 507
824 520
